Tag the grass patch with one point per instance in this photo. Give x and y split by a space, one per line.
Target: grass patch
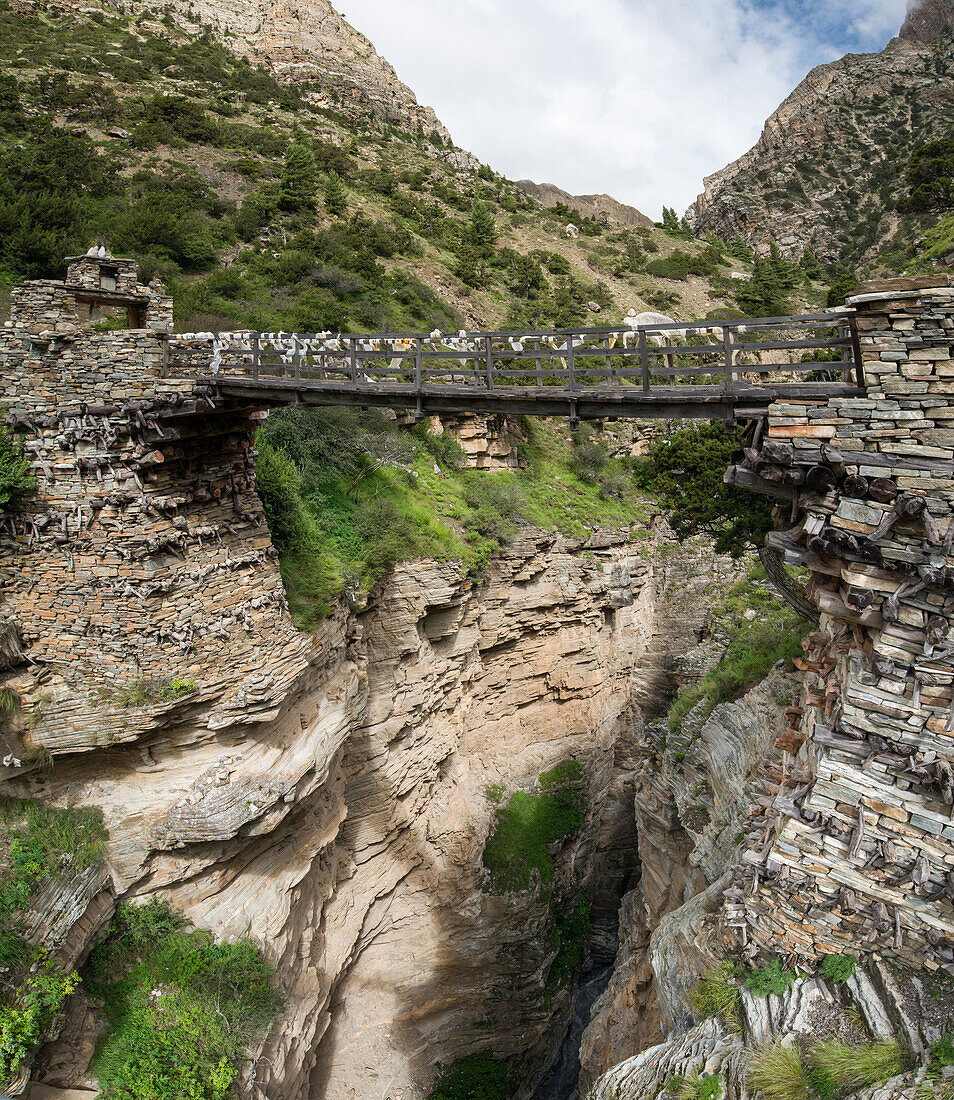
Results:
717 994
699 1086
476 1077
181 1008
143 692
755 646
777 1072
855 1067
516 849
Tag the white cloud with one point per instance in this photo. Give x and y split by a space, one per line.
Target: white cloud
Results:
638 98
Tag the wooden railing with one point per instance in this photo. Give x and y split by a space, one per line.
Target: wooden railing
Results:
680 360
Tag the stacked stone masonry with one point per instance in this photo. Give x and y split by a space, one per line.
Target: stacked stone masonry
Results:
851 848
143 556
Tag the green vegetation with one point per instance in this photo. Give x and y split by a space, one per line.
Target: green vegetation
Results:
37 842
755 645
144 692
853 1067
838 968
686 471
768 292
717 994
777 1072
16 480
929 178
181 1008
569 939
517 845
476 1077
25 1021
699 1086
942 1052
347 495
771 979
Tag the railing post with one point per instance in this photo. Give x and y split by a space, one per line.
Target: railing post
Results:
419 374
297 358
729 383
856 348
354 360
536 348
489 351
571 364
644 359
255 356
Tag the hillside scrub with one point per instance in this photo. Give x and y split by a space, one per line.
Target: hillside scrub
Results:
363 228
347 495
477 1077
182 1009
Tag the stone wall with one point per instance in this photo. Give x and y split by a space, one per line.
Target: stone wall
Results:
852 846
143 555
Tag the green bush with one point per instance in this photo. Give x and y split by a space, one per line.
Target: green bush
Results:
25 1021
942 1052
16 478
838 968
771 979
182 1009
517 844
476 1077
777 1072
717 994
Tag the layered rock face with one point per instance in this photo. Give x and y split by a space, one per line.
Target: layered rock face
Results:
828 169
589 205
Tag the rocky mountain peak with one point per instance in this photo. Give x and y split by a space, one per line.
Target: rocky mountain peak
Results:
926 19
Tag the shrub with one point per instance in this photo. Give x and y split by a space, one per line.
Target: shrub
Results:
838 968
771 979
517 845
854 1067
942 1052
24 1022
476 1077
716 994
181 1008
496 506
16 479
776 1072
446 448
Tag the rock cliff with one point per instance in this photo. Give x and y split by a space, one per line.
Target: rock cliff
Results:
828 169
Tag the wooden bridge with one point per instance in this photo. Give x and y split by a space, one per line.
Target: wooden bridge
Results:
717 369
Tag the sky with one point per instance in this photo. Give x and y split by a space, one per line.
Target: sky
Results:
637 98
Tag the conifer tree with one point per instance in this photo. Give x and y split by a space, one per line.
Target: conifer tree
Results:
336 197
298 182
810 265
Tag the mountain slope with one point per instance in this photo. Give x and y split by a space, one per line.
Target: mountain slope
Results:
828 169
266 195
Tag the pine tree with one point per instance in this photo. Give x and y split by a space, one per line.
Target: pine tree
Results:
483 229
670 220
843 284
787 275
810 265
336 197
298 183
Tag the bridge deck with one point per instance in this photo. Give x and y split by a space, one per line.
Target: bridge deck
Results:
670 370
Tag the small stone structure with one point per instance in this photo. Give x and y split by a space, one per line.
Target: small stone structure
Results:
143 557
852 847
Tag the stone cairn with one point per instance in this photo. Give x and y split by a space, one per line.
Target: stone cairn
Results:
851 847
143 556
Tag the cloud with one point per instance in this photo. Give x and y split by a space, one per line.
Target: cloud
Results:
637 98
